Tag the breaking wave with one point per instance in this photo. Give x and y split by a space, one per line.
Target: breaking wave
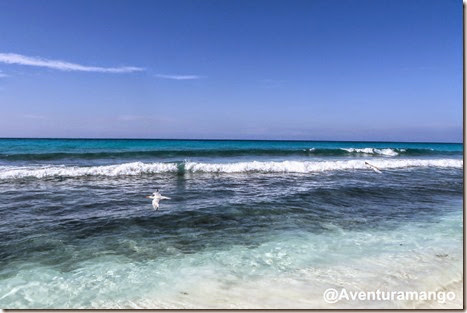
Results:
139 168
387 151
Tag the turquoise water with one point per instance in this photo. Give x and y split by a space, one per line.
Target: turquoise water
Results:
17 146
250 224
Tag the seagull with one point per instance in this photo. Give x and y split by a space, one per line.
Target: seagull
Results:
156 197
374 168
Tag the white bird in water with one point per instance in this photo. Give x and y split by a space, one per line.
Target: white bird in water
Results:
156 197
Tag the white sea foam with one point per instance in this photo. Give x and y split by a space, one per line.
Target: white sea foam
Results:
126 169
309 166
386 151
138 168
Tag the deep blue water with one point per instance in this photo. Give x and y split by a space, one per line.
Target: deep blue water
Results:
76 230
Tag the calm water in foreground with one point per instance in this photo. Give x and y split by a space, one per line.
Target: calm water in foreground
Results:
251 224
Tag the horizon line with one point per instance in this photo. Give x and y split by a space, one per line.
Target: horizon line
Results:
199 139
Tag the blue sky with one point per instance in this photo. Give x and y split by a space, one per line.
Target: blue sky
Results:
247 69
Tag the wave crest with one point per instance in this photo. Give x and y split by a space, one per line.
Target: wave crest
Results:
386 151
126 169
139 168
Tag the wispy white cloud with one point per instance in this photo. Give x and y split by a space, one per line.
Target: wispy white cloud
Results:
2 74
178 77
271 83
13 58
142 118
131 117
34 116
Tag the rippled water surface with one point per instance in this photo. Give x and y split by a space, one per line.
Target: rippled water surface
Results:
250 224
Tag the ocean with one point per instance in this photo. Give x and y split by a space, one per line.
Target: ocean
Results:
250 224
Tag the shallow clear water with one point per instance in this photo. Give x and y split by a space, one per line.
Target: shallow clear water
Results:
251 224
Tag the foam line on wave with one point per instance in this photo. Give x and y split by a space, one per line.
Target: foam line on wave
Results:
139 168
